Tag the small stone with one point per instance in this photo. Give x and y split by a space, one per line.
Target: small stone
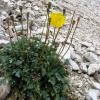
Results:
91 57
38 31
96 85
91 49
69 52
92 94
74 65
78 48
43 18
19 27
93 68
36 8
97 76
86 44
88 97
3 42
76 57
98 52
83 67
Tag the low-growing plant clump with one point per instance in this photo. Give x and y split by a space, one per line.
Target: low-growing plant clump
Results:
33 67
34 70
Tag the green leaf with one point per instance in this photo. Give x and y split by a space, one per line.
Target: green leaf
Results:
57 97
17 72
52 80
43 71
59 77
18 62
45 95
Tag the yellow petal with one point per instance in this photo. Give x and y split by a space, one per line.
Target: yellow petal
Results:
57 19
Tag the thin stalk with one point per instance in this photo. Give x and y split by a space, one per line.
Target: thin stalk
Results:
30 27
72 36
54 33
30 33
9 33
48 21
47 34
48 28
21 11
71 24
63 46
12 18
56 36
15 30
27 24
68 34
43 27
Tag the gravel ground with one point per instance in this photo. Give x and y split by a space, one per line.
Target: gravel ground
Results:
88 29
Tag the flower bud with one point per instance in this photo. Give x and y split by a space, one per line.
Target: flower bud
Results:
20 8
49 5
64 11
73 22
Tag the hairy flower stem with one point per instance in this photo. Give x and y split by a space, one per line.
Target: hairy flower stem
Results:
78 20
21 11
53 42
43 28
47 19
63 46
30 27
12 18
10 36
68 34
48 28
30 33
54 33
27 24
9 32
47 34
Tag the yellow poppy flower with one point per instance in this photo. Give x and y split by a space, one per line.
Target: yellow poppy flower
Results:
57 19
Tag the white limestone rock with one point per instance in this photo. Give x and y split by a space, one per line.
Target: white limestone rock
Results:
83 67
86 44
93 95
96 85
91 57
76 57
69 52
93 68
19 27
74 65
98 52
96 76
78 48
3 42
91 49
36 8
